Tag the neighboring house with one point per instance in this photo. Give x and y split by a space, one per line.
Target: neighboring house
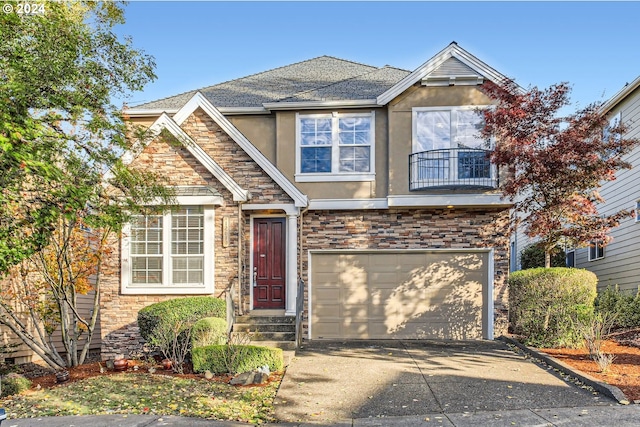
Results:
369 184
618 263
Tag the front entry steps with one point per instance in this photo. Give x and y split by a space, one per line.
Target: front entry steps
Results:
268 328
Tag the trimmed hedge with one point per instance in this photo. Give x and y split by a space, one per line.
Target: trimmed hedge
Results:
14 384
209 331
623 307
189 310
242 358
546 304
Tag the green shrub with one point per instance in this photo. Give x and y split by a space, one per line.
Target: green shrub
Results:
13 384
185 310
533 257
215 358
624 307
546 305
209 331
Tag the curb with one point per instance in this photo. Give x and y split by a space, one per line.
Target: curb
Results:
608 390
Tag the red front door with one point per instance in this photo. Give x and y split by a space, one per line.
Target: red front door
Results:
269 254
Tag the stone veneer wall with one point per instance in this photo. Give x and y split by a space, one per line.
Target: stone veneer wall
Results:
120 333
414 229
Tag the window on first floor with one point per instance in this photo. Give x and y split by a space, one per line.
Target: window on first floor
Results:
596 250
169 251
637 211
570 257
337 146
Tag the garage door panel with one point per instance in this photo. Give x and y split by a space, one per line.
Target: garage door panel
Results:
387 295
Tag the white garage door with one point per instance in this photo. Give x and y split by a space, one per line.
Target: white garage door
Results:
400 295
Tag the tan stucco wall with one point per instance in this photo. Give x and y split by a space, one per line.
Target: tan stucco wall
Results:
260 130
286 155
400 125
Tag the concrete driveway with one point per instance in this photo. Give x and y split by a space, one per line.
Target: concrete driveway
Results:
327 382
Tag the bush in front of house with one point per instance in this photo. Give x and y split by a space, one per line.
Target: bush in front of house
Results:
232 359
185 310
209 331
622 307
13 384
533 257
547 305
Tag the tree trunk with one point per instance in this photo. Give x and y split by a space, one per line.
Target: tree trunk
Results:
547 258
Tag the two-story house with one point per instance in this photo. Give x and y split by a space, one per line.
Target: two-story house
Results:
369 184
618 263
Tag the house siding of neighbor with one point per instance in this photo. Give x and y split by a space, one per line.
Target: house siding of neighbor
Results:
366 183
618 263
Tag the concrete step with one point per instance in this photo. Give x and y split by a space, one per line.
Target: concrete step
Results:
261 320
269 336
264 327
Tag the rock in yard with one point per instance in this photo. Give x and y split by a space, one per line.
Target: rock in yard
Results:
248 378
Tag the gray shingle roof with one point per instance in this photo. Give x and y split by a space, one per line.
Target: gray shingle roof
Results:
317 79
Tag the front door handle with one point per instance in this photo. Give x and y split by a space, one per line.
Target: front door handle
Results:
255 276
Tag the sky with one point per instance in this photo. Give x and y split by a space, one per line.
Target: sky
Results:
595 46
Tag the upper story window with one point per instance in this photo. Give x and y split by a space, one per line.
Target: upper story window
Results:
169 253
447 149
596 250
335 147
614 121
440 128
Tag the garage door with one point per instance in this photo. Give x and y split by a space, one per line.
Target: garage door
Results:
399 295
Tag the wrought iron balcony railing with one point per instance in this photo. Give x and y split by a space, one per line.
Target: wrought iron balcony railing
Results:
452 168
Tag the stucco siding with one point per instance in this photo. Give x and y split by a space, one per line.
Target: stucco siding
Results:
401 130
329 189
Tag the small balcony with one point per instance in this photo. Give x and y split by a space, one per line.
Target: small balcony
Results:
452 168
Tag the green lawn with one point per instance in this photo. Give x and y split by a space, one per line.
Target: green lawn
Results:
137 393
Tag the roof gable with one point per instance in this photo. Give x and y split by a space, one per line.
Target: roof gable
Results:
166 122
442 63
199 101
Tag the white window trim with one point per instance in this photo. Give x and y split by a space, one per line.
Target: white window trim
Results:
335 158
129 288
637 210
597 245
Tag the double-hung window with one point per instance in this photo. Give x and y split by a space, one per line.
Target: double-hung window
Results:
596 250
447 145
335 147
170 252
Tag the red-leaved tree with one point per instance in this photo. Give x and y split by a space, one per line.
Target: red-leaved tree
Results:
555 163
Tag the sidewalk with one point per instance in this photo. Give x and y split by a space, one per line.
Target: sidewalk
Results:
587 416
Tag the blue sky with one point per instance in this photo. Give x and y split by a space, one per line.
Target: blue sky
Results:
595 46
